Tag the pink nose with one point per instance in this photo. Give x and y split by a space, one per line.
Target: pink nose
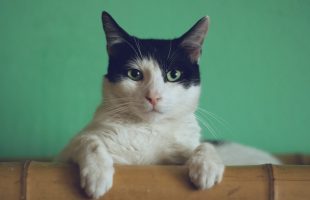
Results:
153 100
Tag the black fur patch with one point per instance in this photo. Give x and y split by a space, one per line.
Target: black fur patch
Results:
166 52
176 54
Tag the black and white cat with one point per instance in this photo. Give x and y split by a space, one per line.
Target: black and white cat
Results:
151 91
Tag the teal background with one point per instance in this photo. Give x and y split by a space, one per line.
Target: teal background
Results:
255 68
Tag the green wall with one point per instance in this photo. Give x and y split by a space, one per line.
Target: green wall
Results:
255 68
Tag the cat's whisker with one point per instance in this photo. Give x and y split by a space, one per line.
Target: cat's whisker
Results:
207 126
138 47
221 127
225 126
173 56
214 116
113 105
114 108
211 123
130 45
204 121
170 44
115 111
129 103
119 99
203 115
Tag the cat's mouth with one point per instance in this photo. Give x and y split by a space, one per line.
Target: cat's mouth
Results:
154 111
152 115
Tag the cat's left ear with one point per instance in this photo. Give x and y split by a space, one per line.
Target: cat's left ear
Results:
192 40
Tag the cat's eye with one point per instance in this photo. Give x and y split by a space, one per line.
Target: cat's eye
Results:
174 75
134 74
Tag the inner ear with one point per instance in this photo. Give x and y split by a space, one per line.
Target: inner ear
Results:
114 33
193 39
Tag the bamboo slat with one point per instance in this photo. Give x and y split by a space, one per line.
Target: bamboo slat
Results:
49 181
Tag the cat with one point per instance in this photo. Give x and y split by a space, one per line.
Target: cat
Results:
151 92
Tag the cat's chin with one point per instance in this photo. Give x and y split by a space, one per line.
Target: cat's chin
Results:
152 116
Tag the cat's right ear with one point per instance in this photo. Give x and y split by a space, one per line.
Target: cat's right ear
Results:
113 32
192 40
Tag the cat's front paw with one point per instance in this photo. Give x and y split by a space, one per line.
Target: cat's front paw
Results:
205 174
205 171
96 180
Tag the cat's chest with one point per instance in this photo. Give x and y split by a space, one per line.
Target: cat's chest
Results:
136 144
144 144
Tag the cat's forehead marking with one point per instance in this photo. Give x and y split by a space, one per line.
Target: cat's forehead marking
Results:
144 63
148 65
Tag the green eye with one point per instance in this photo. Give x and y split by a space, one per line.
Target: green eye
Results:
135 74
174 75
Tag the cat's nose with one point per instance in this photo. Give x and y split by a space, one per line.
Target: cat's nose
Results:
153 99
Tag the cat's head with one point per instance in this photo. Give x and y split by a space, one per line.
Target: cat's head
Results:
153 79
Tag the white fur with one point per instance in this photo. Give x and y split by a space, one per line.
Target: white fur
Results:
126 129
238 154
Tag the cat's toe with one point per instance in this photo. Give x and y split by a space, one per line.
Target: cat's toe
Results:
205 174
96 181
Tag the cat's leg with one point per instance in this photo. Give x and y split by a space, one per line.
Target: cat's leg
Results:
205 166
95 163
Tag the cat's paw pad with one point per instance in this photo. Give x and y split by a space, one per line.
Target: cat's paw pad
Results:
96 181
205 173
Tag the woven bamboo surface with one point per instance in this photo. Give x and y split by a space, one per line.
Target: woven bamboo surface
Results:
51 181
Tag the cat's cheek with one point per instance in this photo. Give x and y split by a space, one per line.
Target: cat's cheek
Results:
128 87
121 89
189 102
